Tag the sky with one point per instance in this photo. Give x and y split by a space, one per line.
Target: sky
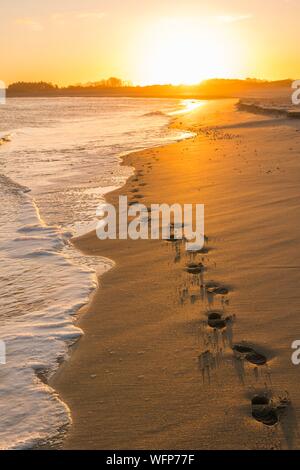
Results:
148 41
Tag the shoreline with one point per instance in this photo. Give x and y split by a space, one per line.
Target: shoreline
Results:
43 375
76 242
93 372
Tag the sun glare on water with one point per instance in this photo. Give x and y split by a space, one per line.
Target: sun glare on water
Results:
180 51
187 106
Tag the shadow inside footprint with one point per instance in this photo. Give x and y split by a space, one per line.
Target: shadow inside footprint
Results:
215 320
215 289
249 354
195 268
218 290
263 410
204 251
256 358
173 238
240 348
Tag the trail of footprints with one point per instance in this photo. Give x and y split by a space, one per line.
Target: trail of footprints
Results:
217 327
217 334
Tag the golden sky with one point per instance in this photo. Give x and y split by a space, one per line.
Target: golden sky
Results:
148 41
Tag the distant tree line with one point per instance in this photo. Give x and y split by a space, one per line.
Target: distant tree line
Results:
112 82
40 87
32 86
116 87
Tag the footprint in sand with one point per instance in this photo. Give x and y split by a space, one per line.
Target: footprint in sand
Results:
263 410
173 239
242 351
213 288
195 268
216 320
268 411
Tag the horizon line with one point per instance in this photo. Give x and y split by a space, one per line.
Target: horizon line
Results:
128 84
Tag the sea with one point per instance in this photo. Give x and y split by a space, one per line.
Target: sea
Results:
58 159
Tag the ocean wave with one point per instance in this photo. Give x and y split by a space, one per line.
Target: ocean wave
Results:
36 342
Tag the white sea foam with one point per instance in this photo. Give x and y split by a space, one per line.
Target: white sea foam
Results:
41 290
62 158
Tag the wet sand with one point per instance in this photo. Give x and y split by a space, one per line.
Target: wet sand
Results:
153 371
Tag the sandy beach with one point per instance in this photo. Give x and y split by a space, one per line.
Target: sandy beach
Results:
149 371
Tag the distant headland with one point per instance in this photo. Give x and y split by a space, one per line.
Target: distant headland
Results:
115 87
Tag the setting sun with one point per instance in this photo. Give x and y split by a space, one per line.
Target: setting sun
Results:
185 51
